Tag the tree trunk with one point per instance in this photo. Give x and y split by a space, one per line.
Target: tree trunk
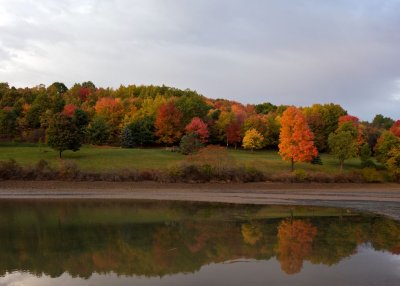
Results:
292 165
341 165
60 154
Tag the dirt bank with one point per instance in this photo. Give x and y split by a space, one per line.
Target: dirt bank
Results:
380 198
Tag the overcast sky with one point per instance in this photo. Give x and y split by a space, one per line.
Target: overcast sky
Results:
284 51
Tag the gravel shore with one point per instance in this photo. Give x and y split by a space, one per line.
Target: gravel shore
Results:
379 198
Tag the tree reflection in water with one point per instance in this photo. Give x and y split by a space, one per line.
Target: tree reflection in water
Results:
155 239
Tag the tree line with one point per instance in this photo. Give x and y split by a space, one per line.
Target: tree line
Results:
139 116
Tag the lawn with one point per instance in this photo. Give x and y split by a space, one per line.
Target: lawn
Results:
92 158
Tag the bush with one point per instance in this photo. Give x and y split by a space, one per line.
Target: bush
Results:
68 170
371 175
43 171
316 160
10 169
252 174
300 175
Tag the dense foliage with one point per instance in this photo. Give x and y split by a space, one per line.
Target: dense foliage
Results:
141 116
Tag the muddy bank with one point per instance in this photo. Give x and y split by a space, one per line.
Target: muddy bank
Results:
379 198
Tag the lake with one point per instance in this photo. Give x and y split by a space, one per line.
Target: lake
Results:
111 242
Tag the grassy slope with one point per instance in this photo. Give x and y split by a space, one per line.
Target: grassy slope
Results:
114 158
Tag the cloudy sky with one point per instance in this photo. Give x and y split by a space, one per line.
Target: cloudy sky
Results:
283 51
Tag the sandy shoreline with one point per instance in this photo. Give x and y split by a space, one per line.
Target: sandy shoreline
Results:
379 198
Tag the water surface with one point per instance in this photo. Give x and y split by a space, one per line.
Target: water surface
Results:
79 242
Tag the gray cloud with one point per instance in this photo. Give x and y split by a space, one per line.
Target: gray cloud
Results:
286 52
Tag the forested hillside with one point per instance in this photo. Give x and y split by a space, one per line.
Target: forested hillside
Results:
152 115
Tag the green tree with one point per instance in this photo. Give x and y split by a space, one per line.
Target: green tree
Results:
191 106
59 87
342 146
8 122
382 122
365 156
98 132
190 143
265 108
63 134
141 132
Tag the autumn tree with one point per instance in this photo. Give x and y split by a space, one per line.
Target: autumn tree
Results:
295 238
251 233
296 140
168 123
63 134
386 142
197 126
69 109
323 120
393 163
252 140
224 119
395 129
233 133
352 124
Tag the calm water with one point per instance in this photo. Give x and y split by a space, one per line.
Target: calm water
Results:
149 243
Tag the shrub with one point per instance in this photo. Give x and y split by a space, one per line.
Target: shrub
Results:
216 157
300 175
321 177
252 174
68 170
371 175
316 160
43 171
10 169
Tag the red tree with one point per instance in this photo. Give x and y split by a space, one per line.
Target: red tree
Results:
355 122
198 127
168 123
69 110
233 133
348 118
395 129
295 139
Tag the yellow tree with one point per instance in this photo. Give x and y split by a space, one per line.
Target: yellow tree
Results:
295 139
252 140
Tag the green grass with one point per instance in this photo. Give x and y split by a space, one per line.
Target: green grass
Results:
94 158
91 158
270 161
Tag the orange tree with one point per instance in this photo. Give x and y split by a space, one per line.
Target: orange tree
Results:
168 123
295 139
